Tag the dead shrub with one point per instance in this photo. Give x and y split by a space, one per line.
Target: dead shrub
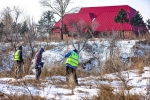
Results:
27 66
147 58
45 72
138 63
105 93
119 96
146 39
111 66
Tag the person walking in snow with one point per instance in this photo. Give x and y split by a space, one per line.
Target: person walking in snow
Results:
72 64
38 63
18 58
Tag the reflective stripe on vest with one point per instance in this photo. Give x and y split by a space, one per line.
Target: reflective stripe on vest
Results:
16 56
73 59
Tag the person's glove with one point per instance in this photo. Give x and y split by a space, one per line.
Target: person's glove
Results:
41 64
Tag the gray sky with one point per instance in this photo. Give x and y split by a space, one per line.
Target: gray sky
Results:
34 9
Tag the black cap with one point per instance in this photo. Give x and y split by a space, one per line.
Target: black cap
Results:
20 47
75 50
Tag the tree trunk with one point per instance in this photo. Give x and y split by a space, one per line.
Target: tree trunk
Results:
122 28
139 32
61 27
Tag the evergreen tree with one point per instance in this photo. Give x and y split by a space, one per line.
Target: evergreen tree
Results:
16 27
45 24
121 18
148 24
24 28
1 29
137 20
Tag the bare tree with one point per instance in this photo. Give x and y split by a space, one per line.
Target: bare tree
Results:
82 31
30 34
59 8
11 25
78 28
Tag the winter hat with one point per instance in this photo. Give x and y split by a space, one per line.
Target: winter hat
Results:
75 50
20 48
41 50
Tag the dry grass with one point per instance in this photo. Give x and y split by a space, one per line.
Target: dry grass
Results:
106 92
4 74
111 66
58 83
25 83
8 49
53 71
138 63
2 55
60 70
27 65
9 74
22 97
48 47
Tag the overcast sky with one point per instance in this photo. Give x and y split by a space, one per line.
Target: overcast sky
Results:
34 9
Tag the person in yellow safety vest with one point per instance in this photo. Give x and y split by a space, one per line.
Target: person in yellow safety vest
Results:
72 64
18 62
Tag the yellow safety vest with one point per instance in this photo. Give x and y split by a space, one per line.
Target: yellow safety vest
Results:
16 56
73 59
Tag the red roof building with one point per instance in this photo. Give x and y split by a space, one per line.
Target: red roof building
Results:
86 18
104 17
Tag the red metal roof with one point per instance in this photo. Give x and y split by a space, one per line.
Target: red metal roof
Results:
98 10
103 15
85 18
108 24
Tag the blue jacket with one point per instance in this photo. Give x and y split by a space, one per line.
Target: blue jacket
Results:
67 55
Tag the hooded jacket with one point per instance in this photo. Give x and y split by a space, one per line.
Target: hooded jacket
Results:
38 57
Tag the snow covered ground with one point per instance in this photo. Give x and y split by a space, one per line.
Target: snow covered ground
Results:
49 90
98 49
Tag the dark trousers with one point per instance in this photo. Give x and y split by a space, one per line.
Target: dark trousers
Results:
38 72
71 71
